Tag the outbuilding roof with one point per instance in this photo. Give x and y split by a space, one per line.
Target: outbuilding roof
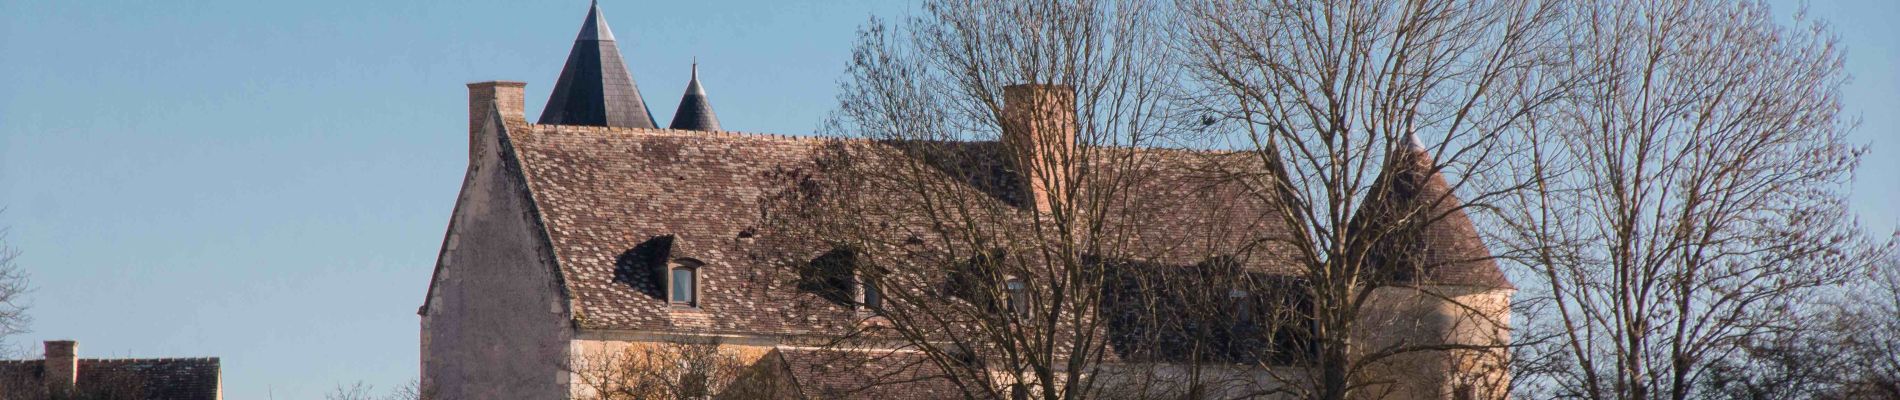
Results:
142 378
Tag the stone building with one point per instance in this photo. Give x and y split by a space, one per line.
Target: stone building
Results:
593 230
63 375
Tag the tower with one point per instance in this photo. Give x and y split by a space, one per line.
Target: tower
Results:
595 88
695 112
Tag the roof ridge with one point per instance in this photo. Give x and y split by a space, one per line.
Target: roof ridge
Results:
150 359
821 139
568 129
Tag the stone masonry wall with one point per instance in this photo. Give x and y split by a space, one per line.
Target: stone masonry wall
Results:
494 326
1437 314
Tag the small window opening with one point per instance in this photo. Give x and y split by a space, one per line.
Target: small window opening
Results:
683 284
1017 296
834 276
873 296
1242 312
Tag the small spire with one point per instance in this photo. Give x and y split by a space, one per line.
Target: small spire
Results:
595 28
695 112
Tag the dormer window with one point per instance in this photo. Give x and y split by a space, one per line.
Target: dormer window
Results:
1240 298
873 296
840 277
682 283
1016 293
683 286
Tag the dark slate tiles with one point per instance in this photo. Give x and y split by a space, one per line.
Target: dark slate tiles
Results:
695 112
595 87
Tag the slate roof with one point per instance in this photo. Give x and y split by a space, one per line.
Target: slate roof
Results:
142 378
695 112
604 192
595 88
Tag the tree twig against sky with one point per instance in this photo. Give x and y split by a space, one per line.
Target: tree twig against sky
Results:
1692 195
1328 97
991 276
675 370
13 289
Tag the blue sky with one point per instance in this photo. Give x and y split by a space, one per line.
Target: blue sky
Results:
268 182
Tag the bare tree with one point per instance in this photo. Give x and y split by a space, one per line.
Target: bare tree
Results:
13 289
414 390
1847 349
354 391
1689 212
1669 171
364 391
1869 337
1351 111
997 181
663 370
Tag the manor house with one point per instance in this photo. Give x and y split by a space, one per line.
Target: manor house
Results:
594 229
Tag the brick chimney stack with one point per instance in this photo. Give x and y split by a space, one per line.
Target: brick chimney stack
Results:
1039 127
62 365
487 97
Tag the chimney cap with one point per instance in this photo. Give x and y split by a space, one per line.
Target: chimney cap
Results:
61 347
498 83
1038 86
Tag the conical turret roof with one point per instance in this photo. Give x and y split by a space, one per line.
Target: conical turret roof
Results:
695 112
595 88
1431 240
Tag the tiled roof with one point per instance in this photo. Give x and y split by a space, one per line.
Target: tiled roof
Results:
1449 249
604 192
142 378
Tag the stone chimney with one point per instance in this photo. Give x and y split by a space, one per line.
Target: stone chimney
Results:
486 97
1039 128
62 365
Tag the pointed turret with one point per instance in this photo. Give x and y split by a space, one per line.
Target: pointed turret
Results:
1428 237
695 112
595 88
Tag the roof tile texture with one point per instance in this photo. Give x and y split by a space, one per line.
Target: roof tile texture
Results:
603 192
143 378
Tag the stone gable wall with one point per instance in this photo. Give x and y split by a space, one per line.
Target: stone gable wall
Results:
494 326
